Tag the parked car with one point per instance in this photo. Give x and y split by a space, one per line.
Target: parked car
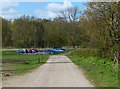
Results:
35 49
56 47
27 51
48 51
20 51
59 48
55 51
51 51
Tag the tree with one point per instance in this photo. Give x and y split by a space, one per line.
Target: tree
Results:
38 34
71 17
104 18
70 14
6 33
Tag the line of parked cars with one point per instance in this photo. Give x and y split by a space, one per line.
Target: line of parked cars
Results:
54 50
34 50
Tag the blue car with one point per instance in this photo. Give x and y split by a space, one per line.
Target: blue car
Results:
55 51
59 49
48 51
20 51
51 51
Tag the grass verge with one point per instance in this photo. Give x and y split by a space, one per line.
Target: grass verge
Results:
16 64
102 72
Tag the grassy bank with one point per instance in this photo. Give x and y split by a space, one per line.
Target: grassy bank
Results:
15 64
102 72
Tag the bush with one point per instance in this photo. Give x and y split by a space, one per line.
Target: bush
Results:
86 52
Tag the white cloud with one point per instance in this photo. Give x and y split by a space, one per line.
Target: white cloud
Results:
52 9
40 13
67 4
9 5
8 9
52 14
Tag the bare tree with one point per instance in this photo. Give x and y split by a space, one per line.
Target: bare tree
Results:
70 14
71 17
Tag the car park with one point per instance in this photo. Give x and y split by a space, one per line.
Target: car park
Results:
54 50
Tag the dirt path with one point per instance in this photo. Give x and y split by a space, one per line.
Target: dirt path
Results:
59 71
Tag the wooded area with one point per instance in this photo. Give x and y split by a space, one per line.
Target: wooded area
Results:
97 28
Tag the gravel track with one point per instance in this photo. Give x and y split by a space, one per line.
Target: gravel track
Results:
58 71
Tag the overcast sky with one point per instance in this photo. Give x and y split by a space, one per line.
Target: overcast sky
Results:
12 10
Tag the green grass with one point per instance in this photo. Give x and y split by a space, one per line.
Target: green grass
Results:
16 64
102 72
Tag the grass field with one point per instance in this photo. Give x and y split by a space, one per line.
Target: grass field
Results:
102 72
16 64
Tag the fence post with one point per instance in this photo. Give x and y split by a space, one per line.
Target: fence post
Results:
38 59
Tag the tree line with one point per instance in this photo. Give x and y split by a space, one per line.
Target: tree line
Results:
97 27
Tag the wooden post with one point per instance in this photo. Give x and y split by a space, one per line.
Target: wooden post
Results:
38 59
